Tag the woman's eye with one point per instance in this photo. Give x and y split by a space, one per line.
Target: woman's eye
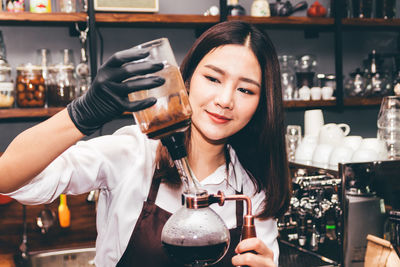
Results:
245 91
212 79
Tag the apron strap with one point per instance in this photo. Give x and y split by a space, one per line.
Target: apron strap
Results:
155 185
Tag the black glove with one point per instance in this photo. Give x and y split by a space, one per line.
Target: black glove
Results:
107 97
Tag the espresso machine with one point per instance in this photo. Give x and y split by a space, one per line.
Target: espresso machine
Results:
312 225
332 212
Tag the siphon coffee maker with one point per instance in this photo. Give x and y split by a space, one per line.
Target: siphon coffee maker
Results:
195 235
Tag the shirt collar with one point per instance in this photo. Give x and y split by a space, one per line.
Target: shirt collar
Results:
235 174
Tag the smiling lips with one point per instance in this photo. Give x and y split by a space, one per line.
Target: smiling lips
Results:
218 118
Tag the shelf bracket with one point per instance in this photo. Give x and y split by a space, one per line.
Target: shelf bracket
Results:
223 10
338 40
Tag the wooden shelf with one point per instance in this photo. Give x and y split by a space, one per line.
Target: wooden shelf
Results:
161 20
168 20
311 103
190 20
371 24
292 22
41 17
362 101
28 112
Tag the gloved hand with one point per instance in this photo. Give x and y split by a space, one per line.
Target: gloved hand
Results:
107 97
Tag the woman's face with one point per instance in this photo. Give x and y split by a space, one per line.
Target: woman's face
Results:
224 91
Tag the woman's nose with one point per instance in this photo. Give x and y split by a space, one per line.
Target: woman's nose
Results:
225 97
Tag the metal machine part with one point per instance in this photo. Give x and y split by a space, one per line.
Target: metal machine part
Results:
313 220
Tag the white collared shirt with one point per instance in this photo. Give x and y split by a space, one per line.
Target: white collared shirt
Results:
122 166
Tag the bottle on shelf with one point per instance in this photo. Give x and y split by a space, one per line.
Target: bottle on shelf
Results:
260 8
15 5
67 6
40 6
345 9
234 9
385 9
378 81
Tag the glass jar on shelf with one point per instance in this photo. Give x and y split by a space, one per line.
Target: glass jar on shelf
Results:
355 84
289 90
305 66
61 85
378 84
30 86
6 85
67 6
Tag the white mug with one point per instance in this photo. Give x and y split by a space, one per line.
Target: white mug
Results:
313 121
353 141
305 150
340 154
327 92
333 133
315 93
321 155
377 145
364 155
305 93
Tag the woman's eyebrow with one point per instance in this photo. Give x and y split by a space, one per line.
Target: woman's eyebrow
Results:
244 79
214 68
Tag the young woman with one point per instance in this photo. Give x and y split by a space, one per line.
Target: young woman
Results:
235 144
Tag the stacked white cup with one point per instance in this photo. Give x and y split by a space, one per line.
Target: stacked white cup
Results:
313 121
327 145
330 141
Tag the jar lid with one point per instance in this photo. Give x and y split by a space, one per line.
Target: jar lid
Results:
61 66
330 77
29 66
4 65
6 86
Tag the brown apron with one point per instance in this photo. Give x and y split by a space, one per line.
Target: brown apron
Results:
144 247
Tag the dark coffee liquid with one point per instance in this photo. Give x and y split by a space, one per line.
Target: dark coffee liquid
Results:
189 255
59 96
168 130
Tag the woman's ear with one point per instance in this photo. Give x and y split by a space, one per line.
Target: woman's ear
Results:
187 85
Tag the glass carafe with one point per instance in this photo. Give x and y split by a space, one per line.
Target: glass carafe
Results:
389 125
195 236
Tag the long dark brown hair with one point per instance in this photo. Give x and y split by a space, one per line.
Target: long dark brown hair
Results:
260 145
